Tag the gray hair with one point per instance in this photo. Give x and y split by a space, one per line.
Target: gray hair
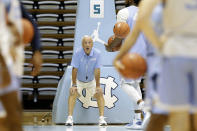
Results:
86 36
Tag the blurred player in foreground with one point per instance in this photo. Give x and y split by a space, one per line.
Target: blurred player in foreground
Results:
12 57
175 51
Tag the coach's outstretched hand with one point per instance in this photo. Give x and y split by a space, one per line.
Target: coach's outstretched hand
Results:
36 62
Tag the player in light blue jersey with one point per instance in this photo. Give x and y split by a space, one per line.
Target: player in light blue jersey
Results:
12 52
159 117
131 87
177 88
179 65
9 36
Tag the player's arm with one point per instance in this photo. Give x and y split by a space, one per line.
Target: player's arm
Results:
129 41
97 77
145 12
75 65
35 43
109 47
74 76
74 81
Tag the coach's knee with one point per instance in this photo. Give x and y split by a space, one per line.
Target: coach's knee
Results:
98 93
73 91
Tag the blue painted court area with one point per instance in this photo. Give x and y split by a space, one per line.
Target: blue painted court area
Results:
76 128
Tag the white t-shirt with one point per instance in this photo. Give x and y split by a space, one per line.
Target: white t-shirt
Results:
123 15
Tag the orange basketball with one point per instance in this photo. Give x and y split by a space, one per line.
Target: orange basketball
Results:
28 31
135 66
121 29
116 47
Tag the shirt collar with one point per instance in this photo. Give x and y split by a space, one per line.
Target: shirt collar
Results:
91 53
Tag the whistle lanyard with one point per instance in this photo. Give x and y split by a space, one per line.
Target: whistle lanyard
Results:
87 64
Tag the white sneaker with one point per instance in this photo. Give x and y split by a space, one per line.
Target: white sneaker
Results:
102 121
69 121
134 125
146 119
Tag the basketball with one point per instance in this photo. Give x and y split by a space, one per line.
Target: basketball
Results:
135 66
115 47
28 31
121 29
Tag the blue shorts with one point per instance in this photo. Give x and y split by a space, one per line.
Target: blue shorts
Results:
152 95
151 85
178 85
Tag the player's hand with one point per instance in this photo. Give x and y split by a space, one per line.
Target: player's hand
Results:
36 62
108 48
118 65
98 92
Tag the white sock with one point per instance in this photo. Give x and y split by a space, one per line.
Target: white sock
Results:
141 105
138 116
70 116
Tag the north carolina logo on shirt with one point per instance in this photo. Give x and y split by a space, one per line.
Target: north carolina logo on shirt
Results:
110 99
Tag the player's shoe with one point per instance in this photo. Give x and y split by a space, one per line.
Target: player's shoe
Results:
146 119
69 121
102 121
135 125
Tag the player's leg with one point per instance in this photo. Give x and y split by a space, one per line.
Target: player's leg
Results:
130 90
11 103
13 108
195 121
5 78
157 122
182 118
3 114
138 88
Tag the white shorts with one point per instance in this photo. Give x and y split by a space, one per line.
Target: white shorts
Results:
89 86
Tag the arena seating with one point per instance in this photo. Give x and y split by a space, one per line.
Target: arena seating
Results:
56 21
